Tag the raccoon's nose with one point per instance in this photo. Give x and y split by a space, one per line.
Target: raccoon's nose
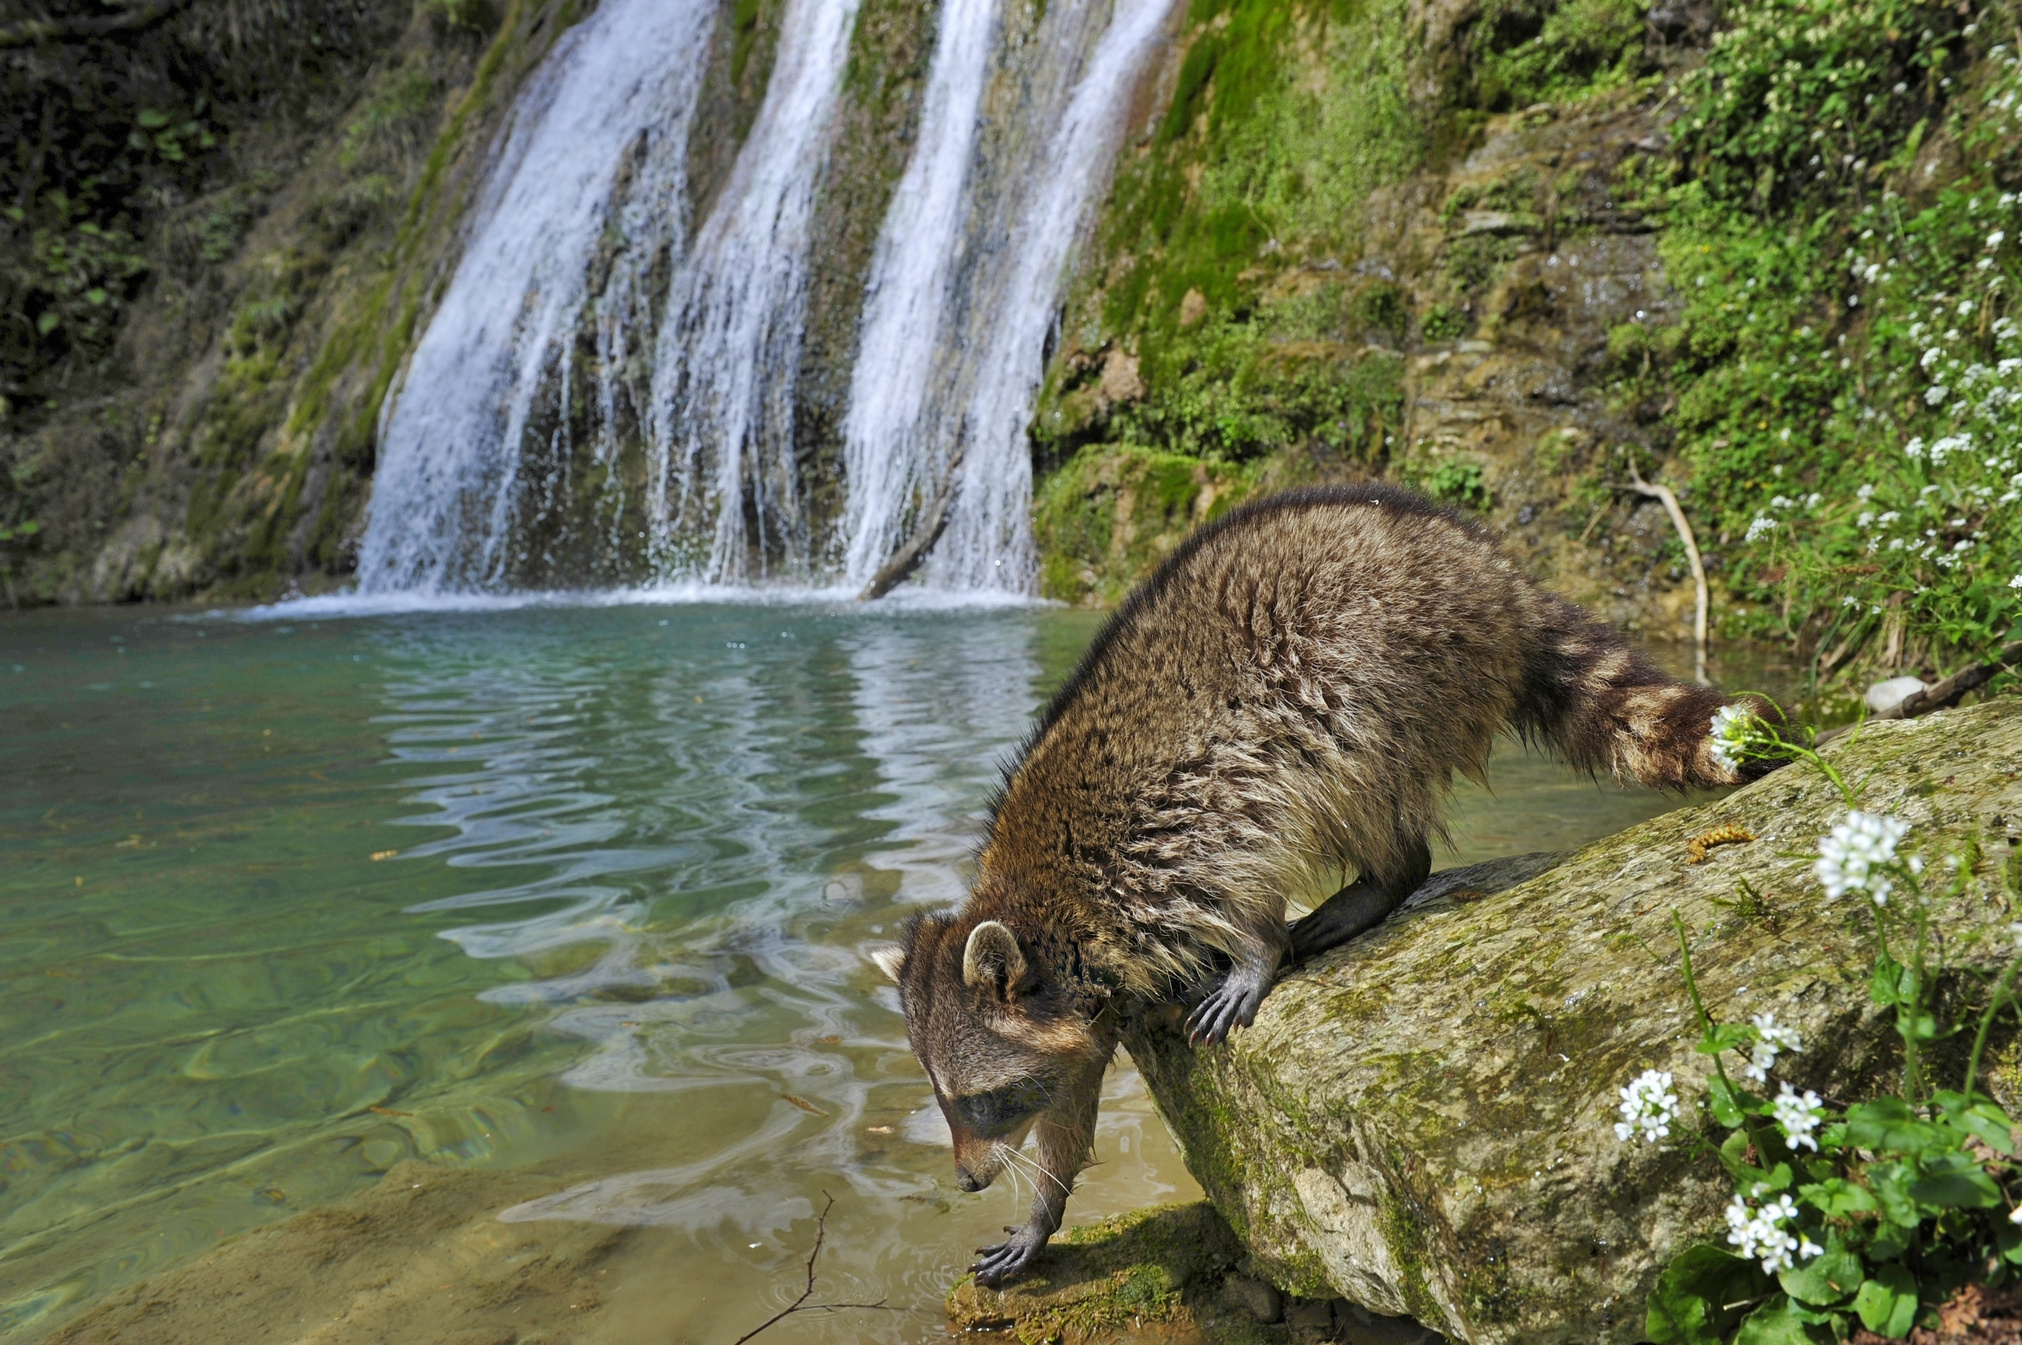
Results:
967 1180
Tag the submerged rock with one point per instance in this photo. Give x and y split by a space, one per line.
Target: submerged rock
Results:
1421 1122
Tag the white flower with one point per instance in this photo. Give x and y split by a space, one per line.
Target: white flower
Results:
1759 525
1995 239
1769 1041
1858 846
1936 394
1799 1114
2015 1215
1761 1235
1648 1107
1733 733
2016 582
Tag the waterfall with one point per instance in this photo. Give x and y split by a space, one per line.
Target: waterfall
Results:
892 461
723 382
564 420
620 84
1011 305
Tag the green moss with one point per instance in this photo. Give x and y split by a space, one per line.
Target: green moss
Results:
1114 511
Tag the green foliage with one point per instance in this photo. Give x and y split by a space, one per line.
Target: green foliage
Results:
1242 396
1870 1217
1112 512
389 118
1530 51
1255 165
1445 322
1845 368
1457 481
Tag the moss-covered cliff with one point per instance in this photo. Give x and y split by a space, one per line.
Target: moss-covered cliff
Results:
1507 250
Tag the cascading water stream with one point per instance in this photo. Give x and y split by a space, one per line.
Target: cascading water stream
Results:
621 83
722 419
937 446
988 543
510 459
892 460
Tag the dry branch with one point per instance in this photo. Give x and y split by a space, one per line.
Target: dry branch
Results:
1940 695
1669 500
801 1304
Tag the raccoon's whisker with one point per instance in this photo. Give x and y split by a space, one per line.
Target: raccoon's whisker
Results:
1039 1170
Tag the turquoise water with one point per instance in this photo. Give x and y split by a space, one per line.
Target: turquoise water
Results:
284 901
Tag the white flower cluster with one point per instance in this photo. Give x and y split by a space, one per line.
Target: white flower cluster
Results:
1762 1236
1648 1107
1799 1114
1770 1040
1735 730
1853 857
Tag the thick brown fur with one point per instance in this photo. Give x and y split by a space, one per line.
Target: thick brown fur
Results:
1285 702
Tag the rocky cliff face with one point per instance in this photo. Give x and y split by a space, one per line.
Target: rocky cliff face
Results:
1420 1122
1344 253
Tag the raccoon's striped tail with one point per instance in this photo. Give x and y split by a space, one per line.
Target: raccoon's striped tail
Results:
1606 707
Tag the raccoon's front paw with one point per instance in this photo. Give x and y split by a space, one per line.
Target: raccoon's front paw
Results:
1008 1260
1230 1005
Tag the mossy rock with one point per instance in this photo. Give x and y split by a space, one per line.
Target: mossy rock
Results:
1109 1279
1422 1121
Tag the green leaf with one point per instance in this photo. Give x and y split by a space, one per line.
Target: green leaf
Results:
1828 1277
94 296
1956 1181
28 529
1887 1303
1836 1197
48 322
152 119
1982 1119
1884 987
1690 1304
1729 1104
1888 1126
1777 1322
1724 1037
1891 1183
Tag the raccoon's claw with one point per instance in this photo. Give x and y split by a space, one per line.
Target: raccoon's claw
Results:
1230 1005
1008 1259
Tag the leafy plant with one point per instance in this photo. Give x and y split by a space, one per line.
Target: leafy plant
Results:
1864 1217
1847 309
1457 481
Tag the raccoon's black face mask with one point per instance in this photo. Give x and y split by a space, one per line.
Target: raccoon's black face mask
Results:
977 1017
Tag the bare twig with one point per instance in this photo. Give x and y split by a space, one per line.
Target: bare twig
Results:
1671 507
1940 695
899 566
801 1304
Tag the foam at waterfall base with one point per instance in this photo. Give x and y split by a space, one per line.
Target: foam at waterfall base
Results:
340 606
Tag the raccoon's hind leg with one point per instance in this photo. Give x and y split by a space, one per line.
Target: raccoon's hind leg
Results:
1361 904
1234 1002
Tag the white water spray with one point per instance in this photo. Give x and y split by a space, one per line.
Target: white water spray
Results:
893 461
723 386
988 543
446 490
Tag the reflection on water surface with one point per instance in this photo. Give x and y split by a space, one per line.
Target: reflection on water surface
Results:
285 902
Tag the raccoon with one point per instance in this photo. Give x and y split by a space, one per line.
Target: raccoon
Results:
1282 704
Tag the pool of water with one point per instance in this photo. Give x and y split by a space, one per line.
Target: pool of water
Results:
584 890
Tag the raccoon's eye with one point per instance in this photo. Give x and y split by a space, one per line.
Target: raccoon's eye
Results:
1000 1111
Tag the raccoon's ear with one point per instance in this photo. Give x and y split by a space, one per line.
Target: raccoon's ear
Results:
995 962
890 957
